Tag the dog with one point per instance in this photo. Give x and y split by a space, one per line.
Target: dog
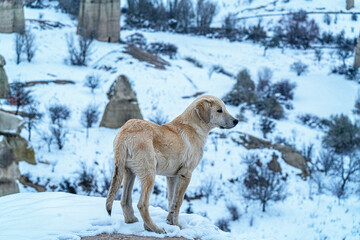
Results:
144 149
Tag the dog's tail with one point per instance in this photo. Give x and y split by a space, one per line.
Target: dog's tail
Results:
116 179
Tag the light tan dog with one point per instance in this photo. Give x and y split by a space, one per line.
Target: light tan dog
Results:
145 149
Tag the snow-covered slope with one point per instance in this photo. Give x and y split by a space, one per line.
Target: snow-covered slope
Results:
47 216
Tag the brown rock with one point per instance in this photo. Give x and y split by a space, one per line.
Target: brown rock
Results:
123 104
21 149
9 169
101 18
10 123
142 56
11 16
274 165
4 85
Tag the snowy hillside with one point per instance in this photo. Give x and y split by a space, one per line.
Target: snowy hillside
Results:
306 213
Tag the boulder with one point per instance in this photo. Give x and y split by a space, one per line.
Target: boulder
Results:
357 55
11 16
4 85
122 106
100 18
274 165
9 170
10 124
21 149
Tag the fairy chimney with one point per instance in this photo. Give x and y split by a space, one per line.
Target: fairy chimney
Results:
11 16
349 4
100 19
357 55
4 85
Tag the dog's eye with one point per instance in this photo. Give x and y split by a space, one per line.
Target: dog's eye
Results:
219 111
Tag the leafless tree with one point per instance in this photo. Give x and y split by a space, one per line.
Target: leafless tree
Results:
79 54
32 116
205 12
29 44
89 116
92 81
19 46
19 95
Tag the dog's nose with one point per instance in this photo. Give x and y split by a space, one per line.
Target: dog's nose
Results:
235 122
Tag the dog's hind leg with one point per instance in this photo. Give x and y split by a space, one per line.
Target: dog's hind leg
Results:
126 199
147 184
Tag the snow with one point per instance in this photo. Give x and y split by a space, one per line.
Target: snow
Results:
305 214
67 216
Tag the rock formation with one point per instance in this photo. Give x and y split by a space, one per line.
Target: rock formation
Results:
357 55
4 85
349 4
100 18
123 104
9 170
10 127
11 16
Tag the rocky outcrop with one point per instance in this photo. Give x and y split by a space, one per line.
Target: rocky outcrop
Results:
123 104
10 127
11 16
142 56
100 18
357 55
4 85
9 170
290 155
349 4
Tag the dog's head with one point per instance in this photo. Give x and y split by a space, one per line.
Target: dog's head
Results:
212 111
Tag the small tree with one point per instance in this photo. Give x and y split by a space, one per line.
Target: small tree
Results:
267 126
205 12
262 184
19 95
342 136
59 113
19 46
89 116
79 54
32 116
284 89
159 118
229 25
29 44
263 87
59 135
92 81
47 138
326 160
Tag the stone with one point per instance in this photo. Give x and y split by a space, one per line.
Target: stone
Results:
10 123
21 149
349 4
274 165
100 18
11 16
9 169
4 84
122 106
357 55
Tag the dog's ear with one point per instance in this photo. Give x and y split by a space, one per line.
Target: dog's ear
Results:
203 110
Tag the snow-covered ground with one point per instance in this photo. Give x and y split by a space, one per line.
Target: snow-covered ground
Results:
303 215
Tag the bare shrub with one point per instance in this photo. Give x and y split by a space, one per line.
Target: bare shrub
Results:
90 116
137 40
229 25
299 68
318 54
263 88
168 49
262 184
256 33
159 118
92 81
19 96
78 55
67 186
223 224
146 13
267 126
326 160
207 189
86 179
204 13
181 13
270 107
47 138
70 6
313 121
284 89
234 211
194 61
327 18
29 44
19 46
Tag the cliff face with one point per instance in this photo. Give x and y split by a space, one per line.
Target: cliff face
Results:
100 18
11 16
357 55
349 4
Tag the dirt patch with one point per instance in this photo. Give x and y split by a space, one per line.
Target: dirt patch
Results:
117 236
38 82
141 55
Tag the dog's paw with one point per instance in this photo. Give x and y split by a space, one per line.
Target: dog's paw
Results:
132 219
156 229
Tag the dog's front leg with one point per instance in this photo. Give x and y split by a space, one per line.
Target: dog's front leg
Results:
182 182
